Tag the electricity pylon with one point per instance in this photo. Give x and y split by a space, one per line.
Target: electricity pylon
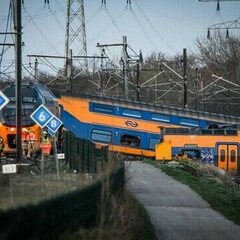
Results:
235 24
218 2
75 37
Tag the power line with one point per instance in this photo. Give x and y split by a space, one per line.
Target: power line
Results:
41 32
218 2
143 30
152 26
55 17
5 37
114 22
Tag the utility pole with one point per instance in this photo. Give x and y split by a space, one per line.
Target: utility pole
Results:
69 68
36 69
124 61
184 60
196 89
138 75
125 68
18 75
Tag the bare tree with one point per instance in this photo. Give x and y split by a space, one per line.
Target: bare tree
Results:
221 55
220 73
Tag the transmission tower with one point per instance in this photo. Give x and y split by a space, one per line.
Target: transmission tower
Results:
75 37
225 26
218 2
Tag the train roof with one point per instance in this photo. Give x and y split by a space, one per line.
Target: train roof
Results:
162 109
41 88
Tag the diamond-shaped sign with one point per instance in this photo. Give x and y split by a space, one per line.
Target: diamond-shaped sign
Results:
54 124
41 116
51 133
3 100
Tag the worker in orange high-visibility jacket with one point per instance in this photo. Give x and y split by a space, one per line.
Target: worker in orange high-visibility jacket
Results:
1 146
32 143
25 142
45 144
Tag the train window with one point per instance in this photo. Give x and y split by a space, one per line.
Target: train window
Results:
9 115
28 94
222 155
129 140
232 156
192 153
131 113
189 122
101 135
153 142
49 101
160 117
102 108
218 132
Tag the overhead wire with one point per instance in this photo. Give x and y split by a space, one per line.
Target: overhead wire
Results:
5 36
30 74
40 31
153 28
50 64
94 15
55 17
143 30
114 22
103 31
8 67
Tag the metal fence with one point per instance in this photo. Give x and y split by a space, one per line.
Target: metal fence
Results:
83 155
80 208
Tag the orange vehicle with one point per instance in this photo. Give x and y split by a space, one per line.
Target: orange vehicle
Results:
33 95
219 147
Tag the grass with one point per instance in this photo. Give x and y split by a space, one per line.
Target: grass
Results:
222 195
121 218
30 189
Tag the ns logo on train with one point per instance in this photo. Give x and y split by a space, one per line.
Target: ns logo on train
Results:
131 123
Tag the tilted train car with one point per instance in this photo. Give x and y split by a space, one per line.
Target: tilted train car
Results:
218 147
33 95
134 127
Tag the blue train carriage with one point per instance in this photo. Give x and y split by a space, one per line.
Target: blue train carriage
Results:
33 95
127 126
219 147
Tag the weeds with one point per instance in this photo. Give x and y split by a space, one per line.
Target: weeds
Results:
213 186
120 219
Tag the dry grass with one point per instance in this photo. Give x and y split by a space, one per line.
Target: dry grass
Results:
120 219
210 171
30 189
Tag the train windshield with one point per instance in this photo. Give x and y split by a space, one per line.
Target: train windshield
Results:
29 94
9 115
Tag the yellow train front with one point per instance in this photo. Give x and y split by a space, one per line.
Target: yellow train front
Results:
219 147
33 95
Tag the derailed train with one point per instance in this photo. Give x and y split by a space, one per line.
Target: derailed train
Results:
33 95
130 127
136 128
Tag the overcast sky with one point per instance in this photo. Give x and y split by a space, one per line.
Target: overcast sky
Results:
150 25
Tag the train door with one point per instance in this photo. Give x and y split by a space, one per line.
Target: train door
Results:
228 157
